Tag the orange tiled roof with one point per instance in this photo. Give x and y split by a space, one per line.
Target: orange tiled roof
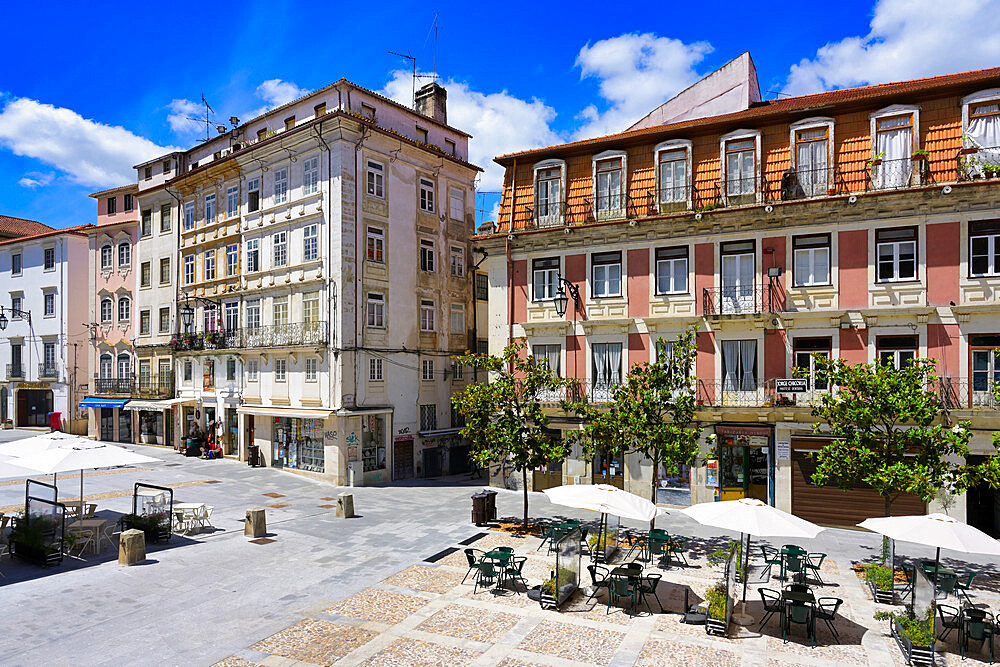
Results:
785 105
131 187
11 227
79 230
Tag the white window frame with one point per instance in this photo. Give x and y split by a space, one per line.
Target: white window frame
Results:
124 309
607 213
252 251
549 218
992 249
810 252
426 370
210 213
896 247
550 279
124 254
814 123
456 203
208 265
738 135
428 309
251 314
280 369
232 259
232 201
457 311
253 370
107 256
310 242
311 369
670 263
281 185
606 281
188 216
45 255
107 309
375 239
375 369
188 271
670 146
253 185
310 308
428 251
456 264
991 95
49 298
375 179
897 110
279 249
426 190
375 310
310 176
20 264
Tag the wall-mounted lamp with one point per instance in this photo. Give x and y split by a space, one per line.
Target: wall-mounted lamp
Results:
561 300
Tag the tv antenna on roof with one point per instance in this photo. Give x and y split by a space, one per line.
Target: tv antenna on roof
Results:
207 120
416 75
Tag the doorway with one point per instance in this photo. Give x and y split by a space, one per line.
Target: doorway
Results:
232 432
738 278
402 459
124 425
609 469
745 461
982 505
107 424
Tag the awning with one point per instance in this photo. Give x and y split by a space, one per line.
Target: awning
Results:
153 405
439 432
300 413
103 402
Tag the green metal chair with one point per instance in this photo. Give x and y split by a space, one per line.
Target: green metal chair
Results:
599 578
474 556
951 619
801 614
813 563
647 586
677 547
826 611
512 571
964 583
657 546
488 572
772 557
792 564
773 604
978 626
946 583
621 589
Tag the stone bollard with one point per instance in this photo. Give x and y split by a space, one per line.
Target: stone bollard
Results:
345 505
131 547
256 524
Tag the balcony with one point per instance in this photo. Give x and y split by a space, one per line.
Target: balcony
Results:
305 334
975 395
121 385
155 386
978 162
896 174
15 372
802 183
47 371
732 301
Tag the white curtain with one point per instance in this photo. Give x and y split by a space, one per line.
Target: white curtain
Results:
810 161
984 133
615 359
600 364
748 354
894 172
731 361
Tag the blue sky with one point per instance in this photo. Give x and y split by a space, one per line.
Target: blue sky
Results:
88 89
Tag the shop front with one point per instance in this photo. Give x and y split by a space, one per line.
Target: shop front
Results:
113 423
32 405
745 463
153 419
290 438
297 443
444 452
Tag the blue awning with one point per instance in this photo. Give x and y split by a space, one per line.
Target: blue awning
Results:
103 402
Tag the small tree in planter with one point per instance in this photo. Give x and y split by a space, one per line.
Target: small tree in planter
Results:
154 525
880 579
915 635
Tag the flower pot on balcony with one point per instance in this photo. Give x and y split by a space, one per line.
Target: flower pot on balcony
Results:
972 150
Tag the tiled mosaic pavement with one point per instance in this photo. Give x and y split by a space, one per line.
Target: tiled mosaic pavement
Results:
440 621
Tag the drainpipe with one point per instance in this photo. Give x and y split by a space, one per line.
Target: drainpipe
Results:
475 313
510 262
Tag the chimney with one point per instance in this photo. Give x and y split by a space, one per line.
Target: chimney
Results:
432 101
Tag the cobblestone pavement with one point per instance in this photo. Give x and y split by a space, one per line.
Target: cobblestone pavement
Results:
384 588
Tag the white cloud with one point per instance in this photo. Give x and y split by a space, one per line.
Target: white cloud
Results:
183 117
36 179
277 92
637 72
908 39
89 153
499 122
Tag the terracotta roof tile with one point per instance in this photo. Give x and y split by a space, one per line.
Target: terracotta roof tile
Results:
79 230
11 227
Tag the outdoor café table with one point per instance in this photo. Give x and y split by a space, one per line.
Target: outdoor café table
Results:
185 515
95 525
632 573
790 597
501 558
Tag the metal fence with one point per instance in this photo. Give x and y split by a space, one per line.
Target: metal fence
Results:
741 300
275 335
122 385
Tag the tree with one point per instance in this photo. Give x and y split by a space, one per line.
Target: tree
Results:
888 433
504 417
651 413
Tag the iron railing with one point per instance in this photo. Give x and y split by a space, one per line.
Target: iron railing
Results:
897 174
275 335
122 385
803 183
47 370
155 386
977 162
15 371
740 191
748 300
974 394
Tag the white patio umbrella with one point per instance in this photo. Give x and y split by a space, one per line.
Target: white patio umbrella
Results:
84 455
935 530
750 516
8 471
37 443
603 498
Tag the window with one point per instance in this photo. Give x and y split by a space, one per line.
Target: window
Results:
145 274
209 265
15 303
368 111
672 270
545 278
262 134
456 203
166 166
124 254
450 147
146 222
482 346
428 417
210 318
319 109
164 270
253 195
280 370
896 351
281 185
426 195
427 370
894 145
739 365
811 256
458 318
457 372
232 201
107 256
607 274
16 265
310 176
804 360
310 243
50 304
231 316
482 287
232 259
252 370
981 113
376 245
107 367
189 270
290 123
188 371
188 216
811 159
739 277
549 356
311 367
124 308
984 248
609 186
128 201
421 134
124 366
426 315
145 321
375 180
279 311
985 361
112 205
376 310
741 171
253 255
165 221
374 370
147 173
427 255
457 262
548 198
253 314
210 216
208 375
164 319
896 254
49 257
230 370
607 364
672 175
280 246
49 358
310 307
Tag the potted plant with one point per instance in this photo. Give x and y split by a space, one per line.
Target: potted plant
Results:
915 635
33 540
919 154
880 580
155 526
717 597
876 160
991 170
8 423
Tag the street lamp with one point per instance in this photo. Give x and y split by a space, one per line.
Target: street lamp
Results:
561 300
14 312
187 316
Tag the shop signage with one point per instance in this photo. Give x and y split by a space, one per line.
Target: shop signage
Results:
32 385
403 438
712 473
743 430
783 450
791 385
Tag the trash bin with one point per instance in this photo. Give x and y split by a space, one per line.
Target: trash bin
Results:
491 504
253 456
479 509
55 421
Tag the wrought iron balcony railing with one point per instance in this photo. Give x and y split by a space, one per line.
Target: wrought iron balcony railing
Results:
275 335
47 370
804 183
15 371
977 162
896 174
742 300
155 386
122 385
974 394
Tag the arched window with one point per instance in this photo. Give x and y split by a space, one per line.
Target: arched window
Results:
106 256
124 365
107 365
124 254
124 309
107 308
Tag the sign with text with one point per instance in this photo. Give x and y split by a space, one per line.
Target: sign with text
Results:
791 385
783 450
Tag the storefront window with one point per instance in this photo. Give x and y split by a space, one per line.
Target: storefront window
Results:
298 443
373 442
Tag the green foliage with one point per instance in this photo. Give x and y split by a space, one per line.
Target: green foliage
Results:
889 433
599 541
151 524
919 630
718 600
37 533
558 579
879 575
504 418
722 554
651 413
